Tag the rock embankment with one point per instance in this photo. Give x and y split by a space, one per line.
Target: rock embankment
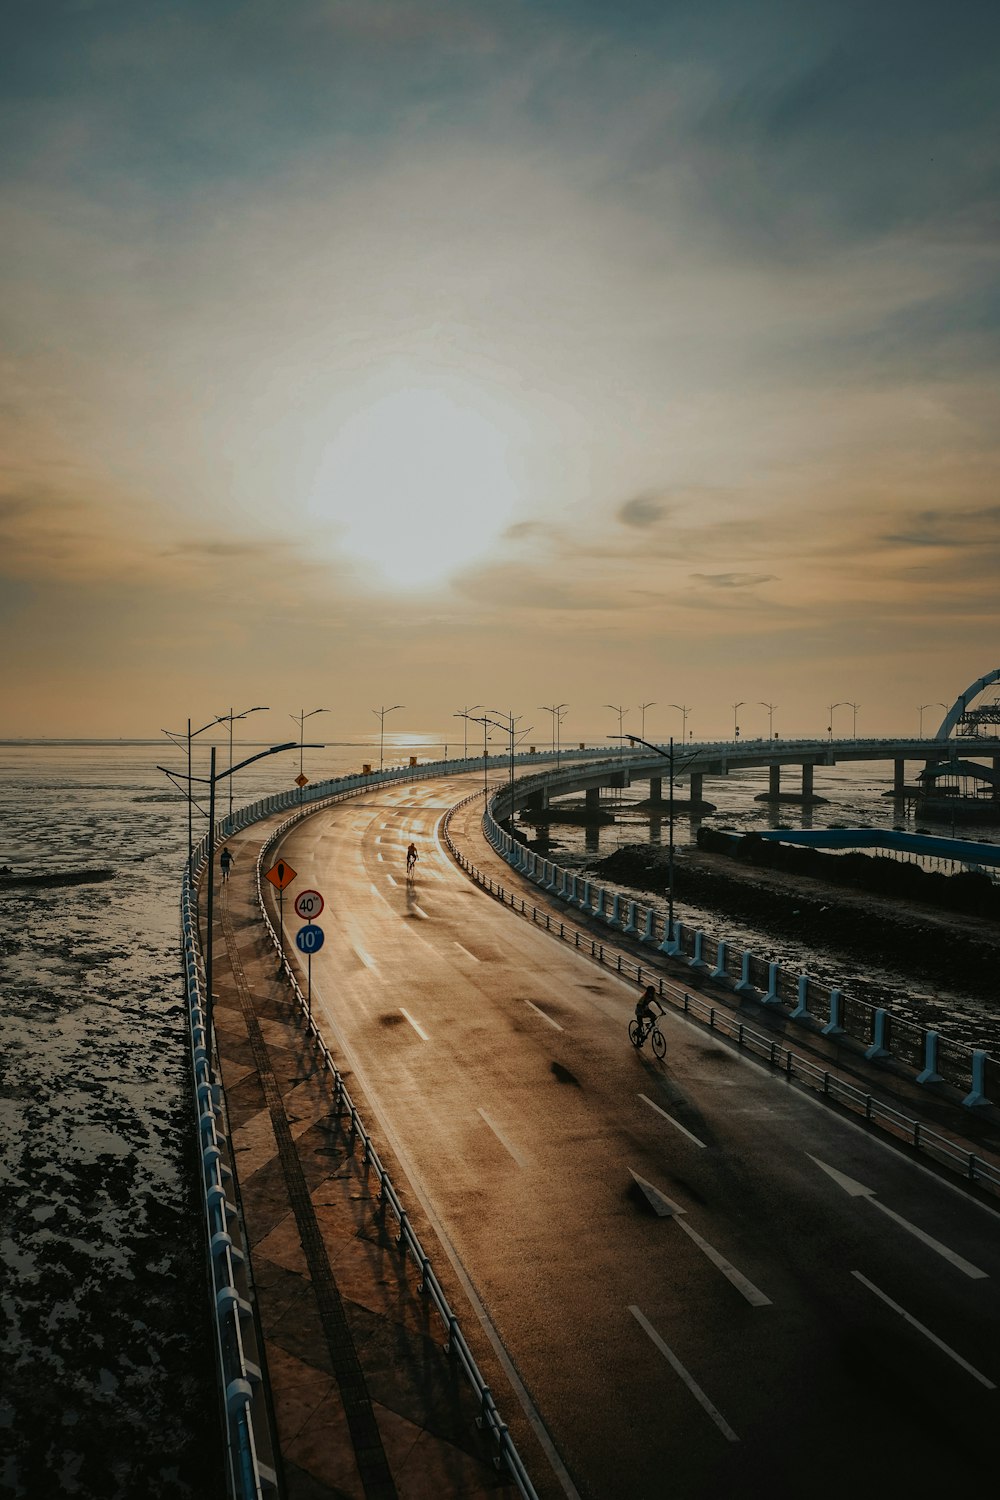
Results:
933 946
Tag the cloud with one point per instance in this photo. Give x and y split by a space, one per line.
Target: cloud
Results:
642 511
733 580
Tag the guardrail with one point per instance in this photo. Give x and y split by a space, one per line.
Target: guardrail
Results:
932 1057
407 1240
780 1057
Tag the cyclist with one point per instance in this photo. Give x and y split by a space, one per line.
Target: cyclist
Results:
644 1012
411 858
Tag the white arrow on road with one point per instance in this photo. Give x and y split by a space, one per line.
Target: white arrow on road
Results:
858 1190
666 1208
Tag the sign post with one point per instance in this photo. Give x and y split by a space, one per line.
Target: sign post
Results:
280 874
309 940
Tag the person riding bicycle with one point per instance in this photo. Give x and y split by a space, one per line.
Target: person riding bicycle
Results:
411 858
644 1012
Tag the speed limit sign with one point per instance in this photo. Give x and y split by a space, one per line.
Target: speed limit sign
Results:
308 904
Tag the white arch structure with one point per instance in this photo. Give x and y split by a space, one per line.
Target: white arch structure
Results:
962 702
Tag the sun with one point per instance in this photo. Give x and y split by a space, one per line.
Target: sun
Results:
419 484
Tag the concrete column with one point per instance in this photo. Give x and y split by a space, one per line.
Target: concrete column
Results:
697 962
807 781
774 782
592 797
801 1011
656 789
772 997
978 1094
648 931
744 987
833 1026
614 916
585 904
631 921
930 1073
719 972
898 777
697 781
878 1047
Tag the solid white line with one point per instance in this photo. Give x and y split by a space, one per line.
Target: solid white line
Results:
543 1015
965 1266
475 960
675 1123
421 1033
688 1380
925 1331
521 1160
753 1295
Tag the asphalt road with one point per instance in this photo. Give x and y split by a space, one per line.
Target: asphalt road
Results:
709 1285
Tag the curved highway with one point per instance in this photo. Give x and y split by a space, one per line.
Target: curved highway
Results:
706 1283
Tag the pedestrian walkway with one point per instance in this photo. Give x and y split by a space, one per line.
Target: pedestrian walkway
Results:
366 1402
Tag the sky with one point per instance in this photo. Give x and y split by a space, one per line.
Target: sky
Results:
503 352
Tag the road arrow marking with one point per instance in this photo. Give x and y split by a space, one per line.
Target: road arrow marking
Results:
858 1190
907 1317
666 1208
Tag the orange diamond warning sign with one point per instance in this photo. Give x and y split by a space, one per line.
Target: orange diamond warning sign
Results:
280 874
301 780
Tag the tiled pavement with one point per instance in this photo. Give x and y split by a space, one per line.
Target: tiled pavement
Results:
366 1402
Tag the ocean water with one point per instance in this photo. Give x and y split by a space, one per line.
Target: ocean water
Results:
108 1380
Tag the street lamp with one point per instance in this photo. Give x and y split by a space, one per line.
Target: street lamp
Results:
921 712
300 719
508 727
191 735
616 708
211 779
855 707
669 756
683 710
464 713
558 712
380 714
229 717
770 716
830 708
642 710
736 726
485 722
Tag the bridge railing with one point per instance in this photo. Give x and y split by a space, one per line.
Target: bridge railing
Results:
932 1058
950 1154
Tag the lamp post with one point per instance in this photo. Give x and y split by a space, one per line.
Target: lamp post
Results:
558 712
380 714
830 708
463 713
770 716
191 735
261 708
300 719
855 707
642 711
616 708
920 710
669 756
736 724
508 727
211 780
683 710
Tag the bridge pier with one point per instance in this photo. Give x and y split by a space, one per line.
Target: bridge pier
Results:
656 789
807 782
592 798
898 778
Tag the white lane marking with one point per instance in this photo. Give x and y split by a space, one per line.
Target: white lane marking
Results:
392 880
365 958
420 912
421 1033
521 1160
688 1380
675 1123
475 960
378 838
858 1190
380 858
907 1317
544 1017
373 889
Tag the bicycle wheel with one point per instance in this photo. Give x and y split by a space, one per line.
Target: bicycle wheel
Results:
659 1042
635 1033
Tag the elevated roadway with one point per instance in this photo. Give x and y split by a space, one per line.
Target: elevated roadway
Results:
702 1283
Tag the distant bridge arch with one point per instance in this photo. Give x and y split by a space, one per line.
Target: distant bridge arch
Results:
961 704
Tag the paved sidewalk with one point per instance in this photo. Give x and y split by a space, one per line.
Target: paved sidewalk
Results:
366 1402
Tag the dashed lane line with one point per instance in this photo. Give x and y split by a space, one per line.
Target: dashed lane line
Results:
541 1013
518 1156
688 1379
908 1318
421 1033
475 960
675 1123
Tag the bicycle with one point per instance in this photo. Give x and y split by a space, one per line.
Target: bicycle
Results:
639 1031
